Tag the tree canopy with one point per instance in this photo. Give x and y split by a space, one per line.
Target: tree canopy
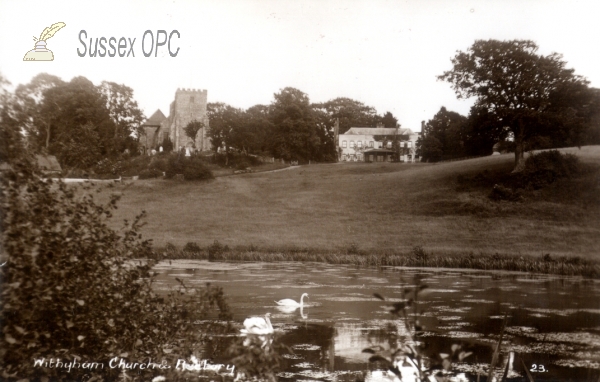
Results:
77 121
530 94
225 122
294 134
191 130
389 120
124 113
351 113
443 136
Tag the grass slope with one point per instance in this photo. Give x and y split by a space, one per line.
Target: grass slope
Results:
373 206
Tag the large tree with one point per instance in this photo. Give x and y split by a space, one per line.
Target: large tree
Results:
73 119
125 114
11 134
191 130
389 120
295 131
256 127
224 122
26 106
327 149
351 113
592 136
531 94
443 136
482 131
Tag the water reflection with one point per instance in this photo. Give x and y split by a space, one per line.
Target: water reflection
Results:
552 321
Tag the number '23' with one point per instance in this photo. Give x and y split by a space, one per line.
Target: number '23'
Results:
538 368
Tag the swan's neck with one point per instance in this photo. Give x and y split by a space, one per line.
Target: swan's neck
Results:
268 322
301 300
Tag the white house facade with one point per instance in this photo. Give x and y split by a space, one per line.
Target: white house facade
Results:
377 144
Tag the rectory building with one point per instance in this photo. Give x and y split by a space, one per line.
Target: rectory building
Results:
377 144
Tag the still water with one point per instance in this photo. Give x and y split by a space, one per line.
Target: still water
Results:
552 323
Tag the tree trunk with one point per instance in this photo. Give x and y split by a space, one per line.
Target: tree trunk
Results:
519 158
47 136
519 149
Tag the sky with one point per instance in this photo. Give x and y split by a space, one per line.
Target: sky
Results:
386 54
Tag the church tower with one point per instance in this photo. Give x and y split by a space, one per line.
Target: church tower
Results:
189 105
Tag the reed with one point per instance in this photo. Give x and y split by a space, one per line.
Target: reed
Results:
418 257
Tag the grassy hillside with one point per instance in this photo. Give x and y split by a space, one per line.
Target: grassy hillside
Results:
442 207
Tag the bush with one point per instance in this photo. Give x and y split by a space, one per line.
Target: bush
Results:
540 170
420 254
71 289
108 166
237 160
148 174
499 192
171 248
242 164
216 249
353 249
192 168
546 167
191 247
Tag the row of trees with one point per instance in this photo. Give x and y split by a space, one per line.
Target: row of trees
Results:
532 100
449 135
521 95
529 98
82 123
291 127
77 121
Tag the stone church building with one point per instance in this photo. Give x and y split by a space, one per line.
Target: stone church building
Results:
189 105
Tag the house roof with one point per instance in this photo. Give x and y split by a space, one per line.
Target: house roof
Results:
156 119
377 131
48 163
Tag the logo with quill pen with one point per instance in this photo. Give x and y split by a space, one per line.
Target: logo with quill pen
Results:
41 53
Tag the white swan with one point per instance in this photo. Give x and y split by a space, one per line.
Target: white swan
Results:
291 309
290 302
258 325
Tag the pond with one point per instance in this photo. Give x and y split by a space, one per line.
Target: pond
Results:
552 323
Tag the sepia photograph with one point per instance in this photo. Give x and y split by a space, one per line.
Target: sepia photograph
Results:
325 191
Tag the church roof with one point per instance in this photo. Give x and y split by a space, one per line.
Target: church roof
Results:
377 131
155 119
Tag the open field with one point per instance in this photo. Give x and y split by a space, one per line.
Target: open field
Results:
387 206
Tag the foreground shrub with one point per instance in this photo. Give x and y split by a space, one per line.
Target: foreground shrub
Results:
257 357
71 289
406 354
